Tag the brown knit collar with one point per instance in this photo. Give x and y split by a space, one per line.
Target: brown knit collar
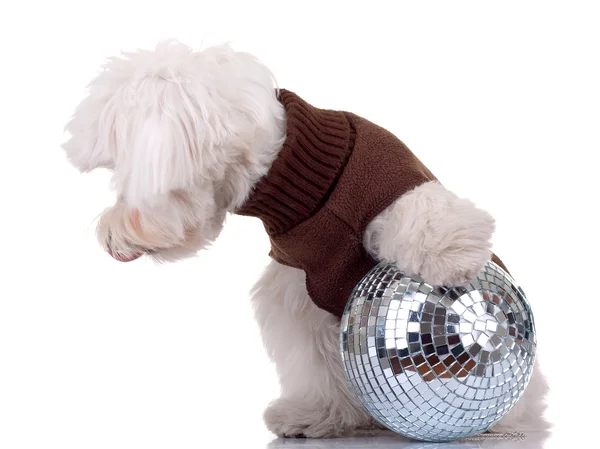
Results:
316 149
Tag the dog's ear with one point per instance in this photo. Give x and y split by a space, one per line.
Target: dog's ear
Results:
92 140
161 148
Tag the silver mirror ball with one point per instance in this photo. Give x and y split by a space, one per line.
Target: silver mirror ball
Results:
437 364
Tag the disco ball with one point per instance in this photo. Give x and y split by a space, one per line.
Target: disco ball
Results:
437 364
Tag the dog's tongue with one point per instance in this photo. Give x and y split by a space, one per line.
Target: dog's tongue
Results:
121 258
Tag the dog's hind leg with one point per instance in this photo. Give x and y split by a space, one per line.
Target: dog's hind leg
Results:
303 341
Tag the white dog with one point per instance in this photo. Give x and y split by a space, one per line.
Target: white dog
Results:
188 135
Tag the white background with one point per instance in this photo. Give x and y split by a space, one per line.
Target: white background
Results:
501 101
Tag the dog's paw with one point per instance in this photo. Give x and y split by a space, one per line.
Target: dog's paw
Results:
295 419
461 248
432 232
292 419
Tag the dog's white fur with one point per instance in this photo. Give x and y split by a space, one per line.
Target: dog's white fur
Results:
188 134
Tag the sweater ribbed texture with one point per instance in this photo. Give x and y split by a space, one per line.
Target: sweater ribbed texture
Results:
317 147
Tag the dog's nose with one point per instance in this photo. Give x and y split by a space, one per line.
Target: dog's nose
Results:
122 258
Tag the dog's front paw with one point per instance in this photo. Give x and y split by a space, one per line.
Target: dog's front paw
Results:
432 232
460 246
295 419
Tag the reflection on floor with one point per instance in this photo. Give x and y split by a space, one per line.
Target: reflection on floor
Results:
389 440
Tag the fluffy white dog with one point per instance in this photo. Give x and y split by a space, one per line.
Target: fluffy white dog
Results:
188 135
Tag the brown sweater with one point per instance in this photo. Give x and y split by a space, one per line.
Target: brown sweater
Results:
335 173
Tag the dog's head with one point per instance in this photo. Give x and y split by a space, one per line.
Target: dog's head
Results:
186 134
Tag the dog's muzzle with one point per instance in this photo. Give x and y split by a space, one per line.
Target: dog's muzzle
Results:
121 257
